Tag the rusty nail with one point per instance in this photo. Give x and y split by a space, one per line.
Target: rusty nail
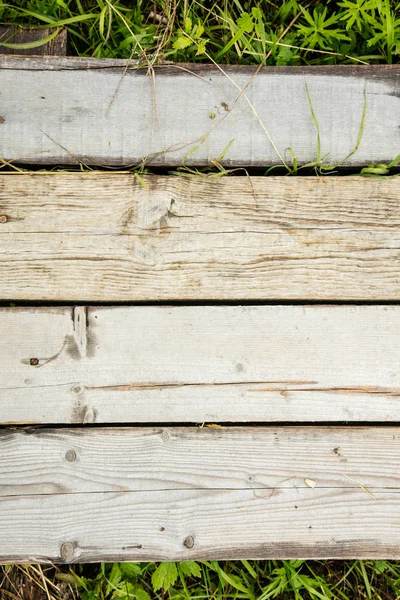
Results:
3 218
67 551
34 361
189 541
70 455
2 119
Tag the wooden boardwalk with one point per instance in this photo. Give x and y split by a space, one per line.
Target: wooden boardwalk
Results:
197 368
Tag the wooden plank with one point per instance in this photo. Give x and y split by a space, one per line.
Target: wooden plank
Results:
13 34
179 494
114 459
224 525
66 110
199 363
92 237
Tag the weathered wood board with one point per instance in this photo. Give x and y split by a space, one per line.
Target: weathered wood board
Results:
108 112
12 34
147 458
187 493
199 364
104 237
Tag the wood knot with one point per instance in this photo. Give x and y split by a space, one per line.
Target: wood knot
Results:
67 551
189 541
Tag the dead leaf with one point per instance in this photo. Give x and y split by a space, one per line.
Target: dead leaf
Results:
310 482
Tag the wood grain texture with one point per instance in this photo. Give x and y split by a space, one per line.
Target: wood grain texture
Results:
12 34
137 494
67 110
201 363
103 237
115 459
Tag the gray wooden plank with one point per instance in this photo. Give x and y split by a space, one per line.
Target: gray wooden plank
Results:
104 237
132 459
200 363
179 494
97 112
224 525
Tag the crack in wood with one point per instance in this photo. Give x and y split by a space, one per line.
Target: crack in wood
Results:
150 385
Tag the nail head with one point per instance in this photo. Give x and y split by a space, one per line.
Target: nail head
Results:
3 218
70 455
34 361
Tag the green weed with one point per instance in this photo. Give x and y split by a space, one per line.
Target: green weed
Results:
251 580
234 31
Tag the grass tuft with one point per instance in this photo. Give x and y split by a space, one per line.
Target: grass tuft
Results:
251 580
228 31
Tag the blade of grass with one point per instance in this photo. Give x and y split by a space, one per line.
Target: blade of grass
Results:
28 45
316 124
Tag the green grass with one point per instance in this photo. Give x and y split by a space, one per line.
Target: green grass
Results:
252 580
245 579
269 32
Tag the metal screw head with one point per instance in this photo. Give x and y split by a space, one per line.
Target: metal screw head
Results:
3 218
34 361
67 551
70 456
189 541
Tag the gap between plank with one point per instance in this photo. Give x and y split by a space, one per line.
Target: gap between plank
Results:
33 429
